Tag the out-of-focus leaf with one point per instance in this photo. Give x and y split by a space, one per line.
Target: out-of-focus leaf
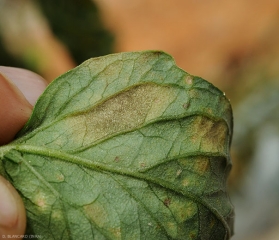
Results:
126 146
256 141
77 23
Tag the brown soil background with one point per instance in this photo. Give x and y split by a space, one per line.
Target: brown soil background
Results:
206 38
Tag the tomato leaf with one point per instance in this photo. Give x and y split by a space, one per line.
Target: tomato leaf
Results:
125 146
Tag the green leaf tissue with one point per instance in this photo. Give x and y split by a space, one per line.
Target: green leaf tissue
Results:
126 146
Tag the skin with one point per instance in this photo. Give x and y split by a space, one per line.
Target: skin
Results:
19 90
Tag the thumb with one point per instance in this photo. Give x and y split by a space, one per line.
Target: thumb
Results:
19 89
12 212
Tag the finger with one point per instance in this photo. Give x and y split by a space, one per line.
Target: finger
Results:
19 90
16 85
12 212
29 83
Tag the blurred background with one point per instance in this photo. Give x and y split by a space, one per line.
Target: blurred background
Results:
232 44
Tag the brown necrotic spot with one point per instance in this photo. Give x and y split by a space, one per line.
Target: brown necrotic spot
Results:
186 105
167 202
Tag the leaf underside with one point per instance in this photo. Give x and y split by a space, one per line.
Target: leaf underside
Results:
125 146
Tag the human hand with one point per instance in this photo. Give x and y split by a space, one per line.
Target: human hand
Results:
19 90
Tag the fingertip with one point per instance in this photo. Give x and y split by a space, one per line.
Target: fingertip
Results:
29 83
19 90
12 211
15 110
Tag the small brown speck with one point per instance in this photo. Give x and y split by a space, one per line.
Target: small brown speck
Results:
192 235
167 202
143 165
117 159
186 105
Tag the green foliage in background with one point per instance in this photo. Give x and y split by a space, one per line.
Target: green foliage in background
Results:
6 59
78 25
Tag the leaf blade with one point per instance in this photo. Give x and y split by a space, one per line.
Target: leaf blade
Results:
132 131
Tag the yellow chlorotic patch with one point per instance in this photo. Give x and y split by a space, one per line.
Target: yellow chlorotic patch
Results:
161 100
96 213
171 228
209 111
189 80
41 200
60 177
57 215
201 165
199 127
194 93
183 210
209 135
101 217
215 137
185 182
121 112
116 232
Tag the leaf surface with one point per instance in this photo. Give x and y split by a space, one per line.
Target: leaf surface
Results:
125 146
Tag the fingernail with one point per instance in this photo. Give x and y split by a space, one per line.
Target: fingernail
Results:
8 206
29 83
